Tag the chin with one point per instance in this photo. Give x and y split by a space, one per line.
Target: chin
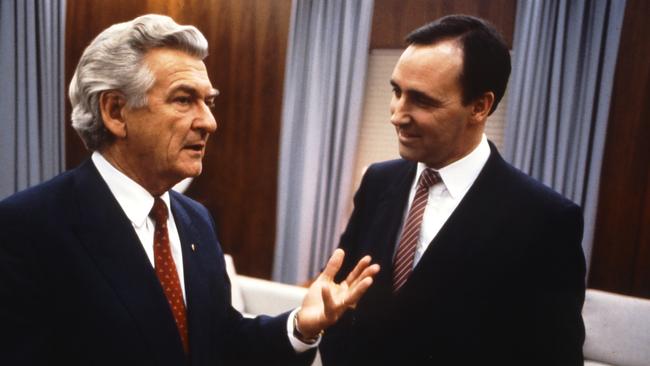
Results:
194 173
193 170
408 154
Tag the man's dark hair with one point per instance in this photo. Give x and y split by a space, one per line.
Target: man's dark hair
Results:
486 59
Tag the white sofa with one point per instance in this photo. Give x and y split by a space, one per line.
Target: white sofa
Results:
617 327
255 296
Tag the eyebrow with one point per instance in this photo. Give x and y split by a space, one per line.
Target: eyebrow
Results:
418 95
192 91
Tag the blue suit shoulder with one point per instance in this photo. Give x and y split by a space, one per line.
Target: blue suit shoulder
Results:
195 210
188 203
389 168
40 197
387 172
497 177
533 191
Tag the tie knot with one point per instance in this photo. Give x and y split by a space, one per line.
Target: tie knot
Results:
428 178
159 210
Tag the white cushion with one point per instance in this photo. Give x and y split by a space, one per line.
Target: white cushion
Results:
235 290
617 329
256 296
268 297
594 363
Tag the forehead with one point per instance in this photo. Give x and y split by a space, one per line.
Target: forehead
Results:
171 68
429 67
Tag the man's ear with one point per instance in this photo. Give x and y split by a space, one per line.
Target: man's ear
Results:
111 105
482 105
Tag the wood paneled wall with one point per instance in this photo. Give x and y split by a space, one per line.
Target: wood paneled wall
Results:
248 40
621 253
394 19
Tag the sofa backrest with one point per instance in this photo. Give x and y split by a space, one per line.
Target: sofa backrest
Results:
617 329
235 290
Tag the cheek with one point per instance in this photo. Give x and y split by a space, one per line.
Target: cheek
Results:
427 122
179 136
177 153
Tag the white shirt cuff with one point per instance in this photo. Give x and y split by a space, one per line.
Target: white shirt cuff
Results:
298 345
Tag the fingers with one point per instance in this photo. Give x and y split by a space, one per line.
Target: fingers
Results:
355 293
370 271
361 284
336 299
354 274
333 264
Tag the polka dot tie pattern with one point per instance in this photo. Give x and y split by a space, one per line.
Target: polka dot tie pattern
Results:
166 269
403 263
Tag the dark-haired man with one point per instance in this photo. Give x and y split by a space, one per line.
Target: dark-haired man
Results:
481 263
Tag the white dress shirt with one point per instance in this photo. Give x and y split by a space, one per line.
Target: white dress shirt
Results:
136 202
444 196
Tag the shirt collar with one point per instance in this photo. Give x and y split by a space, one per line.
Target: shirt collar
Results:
461 174
136 202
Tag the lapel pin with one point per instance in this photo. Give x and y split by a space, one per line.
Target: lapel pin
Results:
193 247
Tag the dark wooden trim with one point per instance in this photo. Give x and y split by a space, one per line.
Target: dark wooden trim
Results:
621 252
248 40
394 19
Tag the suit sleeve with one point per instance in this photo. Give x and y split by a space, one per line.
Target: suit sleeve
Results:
262 340
558 291
25 327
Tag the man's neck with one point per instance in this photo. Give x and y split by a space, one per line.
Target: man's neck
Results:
155 187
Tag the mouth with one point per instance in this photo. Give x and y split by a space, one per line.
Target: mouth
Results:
406 136
198 147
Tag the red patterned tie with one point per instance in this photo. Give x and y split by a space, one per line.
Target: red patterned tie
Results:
166 269
403 263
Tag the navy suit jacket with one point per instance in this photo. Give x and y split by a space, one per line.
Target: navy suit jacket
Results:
502 283
77 288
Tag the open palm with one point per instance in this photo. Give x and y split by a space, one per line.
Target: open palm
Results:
326 300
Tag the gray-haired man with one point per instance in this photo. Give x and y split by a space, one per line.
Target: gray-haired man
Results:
104 265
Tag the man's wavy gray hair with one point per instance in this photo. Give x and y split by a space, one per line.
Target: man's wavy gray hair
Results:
113 61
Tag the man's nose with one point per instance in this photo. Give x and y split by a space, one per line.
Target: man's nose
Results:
205 119
398 112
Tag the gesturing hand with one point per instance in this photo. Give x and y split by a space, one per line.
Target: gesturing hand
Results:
326 300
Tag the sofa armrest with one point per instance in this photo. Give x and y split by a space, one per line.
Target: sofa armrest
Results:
267 297
617 329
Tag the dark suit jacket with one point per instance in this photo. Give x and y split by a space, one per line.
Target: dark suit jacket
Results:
501 284
76 287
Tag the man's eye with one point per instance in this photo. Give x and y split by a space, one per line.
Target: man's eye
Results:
210 103
183 100
424 102
396 92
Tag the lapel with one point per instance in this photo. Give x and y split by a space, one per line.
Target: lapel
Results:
197 274
389 212
109 238
463 237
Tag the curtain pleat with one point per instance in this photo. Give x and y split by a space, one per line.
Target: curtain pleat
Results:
563 73
32 95
323 92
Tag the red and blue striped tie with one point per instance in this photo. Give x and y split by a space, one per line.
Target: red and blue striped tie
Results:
403 263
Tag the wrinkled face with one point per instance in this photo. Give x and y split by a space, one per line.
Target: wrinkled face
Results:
167 138
426 108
